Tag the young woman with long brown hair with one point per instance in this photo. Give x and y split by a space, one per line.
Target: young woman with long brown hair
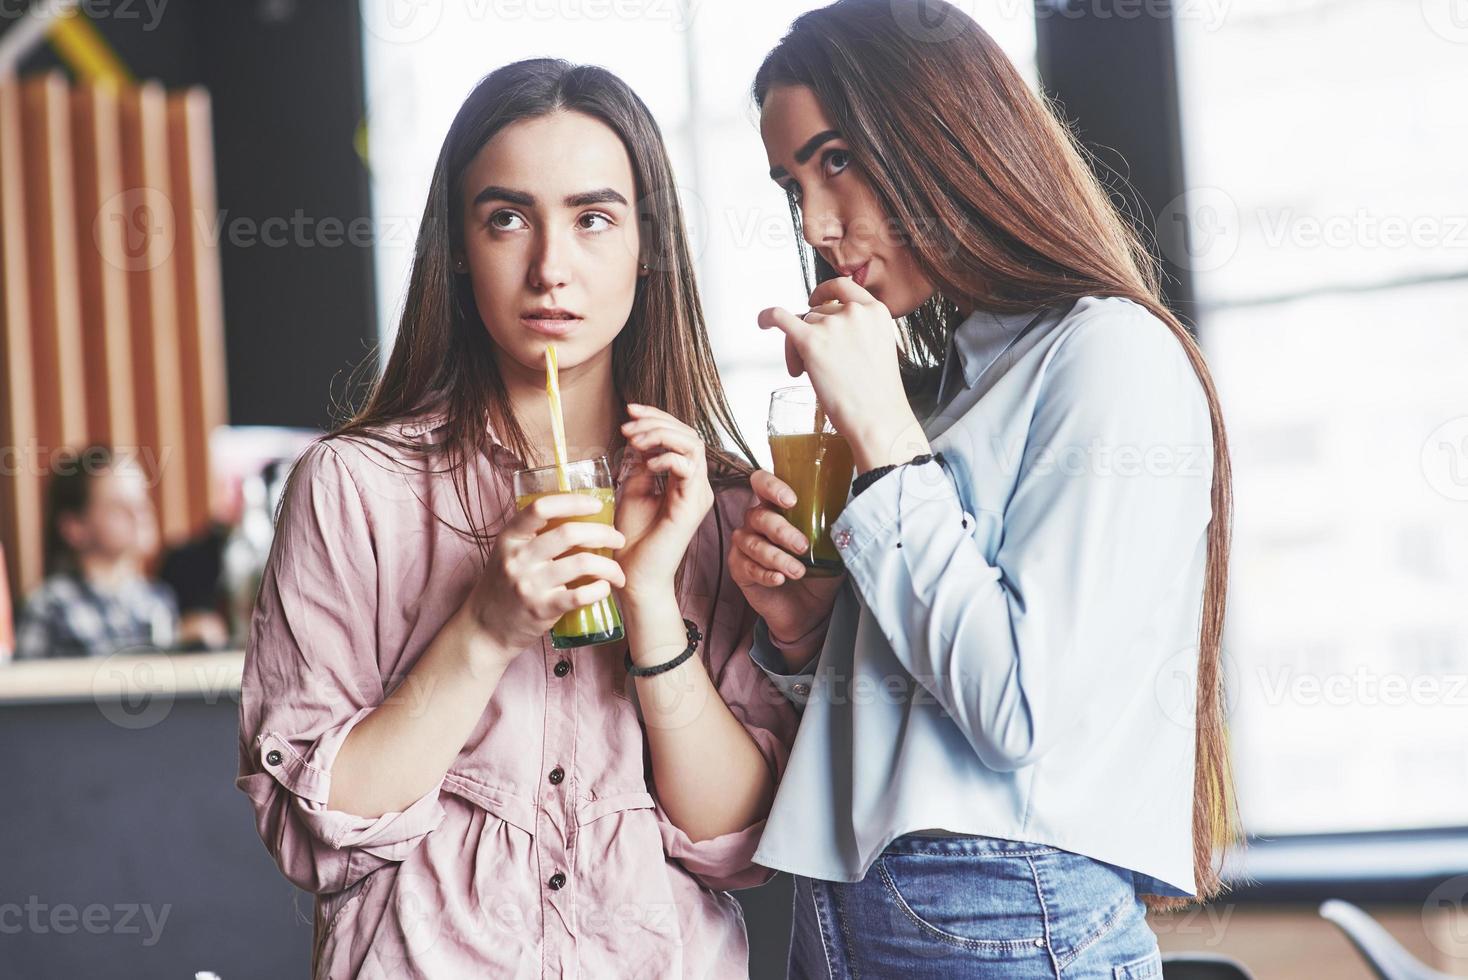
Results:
992 776
463 799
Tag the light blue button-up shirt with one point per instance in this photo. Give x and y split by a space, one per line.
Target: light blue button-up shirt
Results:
1014 651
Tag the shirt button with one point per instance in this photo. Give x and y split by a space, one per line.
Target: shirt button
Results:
556 881
557 774
563 668
273 757
801 689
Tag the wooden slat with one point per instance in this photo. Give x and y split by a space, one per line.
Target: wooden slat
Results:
201 300
20 485
153 302
102 254
56 332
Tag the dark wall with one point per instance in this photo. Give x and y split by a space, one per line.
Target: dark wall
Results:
286 81
127 852
1112 66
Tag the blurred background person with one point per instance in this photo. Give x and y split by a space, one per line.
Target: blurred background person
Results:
100 530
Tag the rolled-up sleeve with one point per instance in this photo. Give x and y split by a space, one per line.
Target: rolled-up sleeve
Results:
765 652
726 862
310 675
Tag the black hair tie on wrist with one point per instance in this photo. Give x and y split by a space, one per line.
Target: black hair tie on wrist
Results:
872 476
865 480
693 637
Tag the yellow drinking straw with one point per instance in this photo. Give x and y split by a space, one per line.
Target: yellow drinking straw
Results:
558 425
829 306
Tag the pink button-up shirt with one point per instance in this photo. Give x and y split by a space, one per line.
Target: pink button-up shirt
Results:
461 883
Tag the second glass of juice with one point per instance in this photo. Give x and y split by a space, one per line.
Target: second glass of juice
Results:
815 461
600 622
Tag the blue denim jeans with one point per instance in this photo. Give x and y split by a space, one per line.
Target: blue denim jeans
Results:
974 907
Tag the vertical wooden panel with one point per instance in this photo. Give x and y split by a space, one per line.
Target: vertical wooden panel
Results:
153 302
56 334
20 472
201 301
102 258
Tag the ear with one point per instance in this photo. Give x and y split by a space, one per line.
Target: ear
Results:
643 270
461 265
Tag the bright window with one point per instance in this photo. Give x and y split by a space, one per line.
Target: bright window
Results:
1324 151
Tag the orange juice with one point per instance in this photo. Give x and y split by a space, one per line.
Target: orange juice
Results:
818 467
600 622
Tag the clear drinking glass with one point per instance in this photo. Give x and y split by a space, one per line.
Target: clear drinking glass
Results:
815 460
600 622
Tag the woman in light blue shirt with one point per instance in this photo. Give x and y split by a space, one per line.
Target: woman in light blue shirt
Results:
1001 761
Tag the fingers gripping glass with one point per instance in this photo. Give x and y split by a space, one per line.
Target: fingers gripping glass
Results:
600 622
816 462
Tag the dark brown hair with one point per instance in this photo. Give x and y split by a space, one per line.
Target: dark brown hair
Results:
993 195
443 359
69 493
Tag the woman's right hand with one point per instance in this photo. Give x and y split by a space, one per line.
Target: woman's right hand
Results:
761 562
530 580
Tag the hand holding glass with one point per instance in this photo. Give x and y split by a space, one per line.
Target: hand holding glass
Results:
600 622
815 461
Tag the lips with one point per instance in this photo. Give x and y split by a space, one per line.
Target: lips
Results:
858 273
551 322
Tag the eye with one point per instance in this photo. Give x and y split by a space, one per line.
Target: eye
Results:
836 161
594 221
505 221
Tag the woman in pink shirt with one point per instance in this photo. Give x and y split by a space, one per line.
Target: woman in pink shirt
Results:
463 799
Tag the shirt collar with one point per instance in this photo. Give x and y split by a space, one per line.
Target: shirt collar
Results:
985 335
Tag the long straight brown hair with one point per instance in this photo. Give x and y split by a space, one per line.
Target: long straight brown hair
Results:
993 195
443 359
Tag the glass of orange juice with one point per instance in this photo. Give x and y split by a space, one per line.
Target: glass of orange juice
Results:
815 460
600 622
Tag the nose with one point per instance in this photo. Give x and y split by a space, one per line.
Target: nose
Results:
820 222
548 265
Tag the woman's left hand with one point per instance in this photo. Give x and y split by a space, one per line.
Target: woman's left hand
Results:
848 346
659 526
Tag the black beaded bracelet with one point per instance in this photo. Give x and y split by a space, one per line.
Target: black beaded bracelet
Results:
693 637
872 476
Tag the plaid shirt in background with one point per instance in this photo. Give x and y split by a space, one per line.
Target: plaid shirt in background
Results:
66 617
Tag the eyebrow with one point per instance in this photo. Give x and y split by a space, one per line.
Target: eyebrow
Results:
602 195
806 151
